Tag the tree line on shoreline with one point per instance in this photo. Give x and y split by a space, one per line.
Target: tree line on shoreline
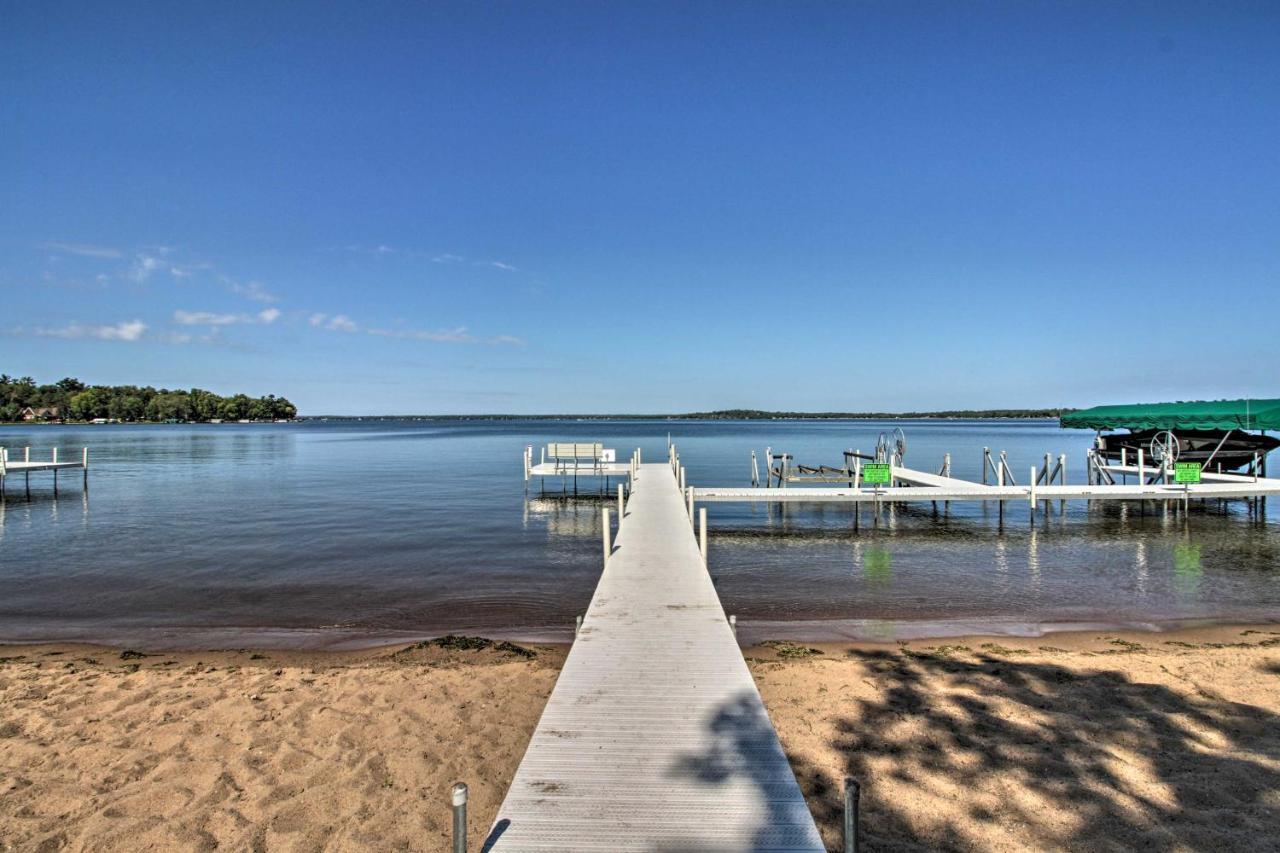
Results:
72 400
725 415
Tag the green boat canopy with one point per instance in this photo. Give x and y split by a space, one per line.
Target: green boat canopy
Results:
1210 414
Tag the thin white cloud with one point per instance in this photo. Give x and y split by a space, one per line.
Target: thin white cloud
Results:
504 267
205 318
143 266
336 323
128 330
447 258
458 335
84 250
210 318
254 291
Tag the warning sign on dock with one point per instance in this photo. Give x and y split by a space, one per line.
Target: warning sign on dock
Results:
1187 473
876 474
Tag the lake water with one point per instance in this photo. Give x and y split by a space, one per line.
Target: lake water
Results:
331 533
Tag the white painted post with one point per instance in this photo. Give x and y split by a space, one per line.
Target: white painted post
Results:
55 456
946 463
1062 468
1034 480
682 478
689 498
1142 468
639 458
733 624
1000 472
84 463
621 505
26 454
702 533
986 463
604 524
459 800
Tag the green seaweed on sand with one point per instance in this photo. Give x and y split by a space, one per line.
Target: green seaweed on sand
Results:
997 649
461 643
791 651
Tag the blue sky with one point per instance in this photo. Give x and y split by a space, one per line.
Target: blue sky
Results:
599 207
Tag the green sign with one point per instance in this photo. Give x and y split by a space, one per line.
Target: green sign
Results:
1186 472
876 474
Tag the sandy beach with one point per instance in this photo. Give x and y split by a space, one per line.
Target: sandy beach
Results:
1088 741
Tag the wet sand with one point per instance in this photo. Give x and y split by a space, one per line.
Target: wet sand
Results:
1088 741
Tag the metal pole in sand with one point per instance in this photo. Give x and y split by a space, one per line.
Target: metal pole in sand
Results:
851 797
460 818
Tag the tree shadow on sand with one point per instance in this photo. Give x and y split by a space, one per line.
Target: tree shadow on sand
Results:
1085 761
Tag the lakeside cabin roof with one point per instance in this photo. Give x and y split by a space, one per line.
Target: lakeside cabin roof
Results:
1198 414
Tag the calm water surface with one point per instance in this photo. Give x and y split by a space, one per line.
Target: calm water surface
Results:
342 532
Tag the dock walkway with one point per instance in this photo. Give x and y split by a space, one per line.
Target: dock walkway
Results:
655 737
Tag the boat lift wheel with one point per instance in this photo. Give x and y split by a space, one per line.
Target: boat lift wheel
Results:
1164 448
900 443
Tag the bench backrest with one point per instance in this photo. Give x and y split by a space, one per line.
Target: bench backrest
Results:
558 450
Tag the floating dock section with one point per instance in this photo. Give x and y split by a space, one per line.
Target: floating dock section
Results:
655 737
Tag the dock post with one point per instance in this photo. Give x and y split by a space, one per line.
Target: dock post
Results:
460 817
1142 468
608 545
4 470
682 478
577 625
84 463
733 624
986 462
1035 478
55 472
621 505
702 533
851 797
689 497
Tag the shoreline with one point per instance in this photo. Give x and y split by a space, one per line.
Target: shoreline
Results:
855 632
1088 739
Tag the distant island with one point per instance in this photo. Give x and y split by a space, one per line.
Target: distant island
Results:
71 400
723 415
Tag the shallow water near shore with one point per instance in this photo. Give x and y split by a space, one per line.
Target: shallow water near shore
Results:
356 532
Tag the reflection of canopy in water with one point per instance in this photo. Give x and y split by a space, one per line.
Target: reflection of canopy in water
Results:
1196 415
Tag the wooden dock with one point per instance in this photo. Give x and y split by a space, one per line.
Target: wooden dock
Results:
655 737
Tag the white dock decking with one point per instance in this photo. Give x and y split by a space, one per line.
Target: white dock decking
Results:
655 737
